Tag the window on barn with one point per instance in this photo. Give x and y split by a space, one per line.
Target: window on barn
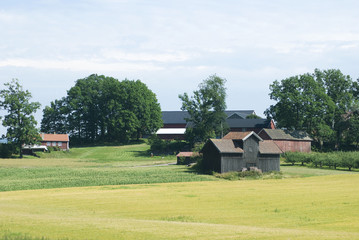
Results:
48 144
59 144
53 143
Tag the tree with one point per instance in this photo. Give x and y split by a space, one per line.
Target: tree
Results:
314 102
100 108
253 116
20 122
206 110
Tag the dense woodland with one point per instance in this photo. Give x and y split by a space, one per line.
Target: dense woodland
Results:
100 108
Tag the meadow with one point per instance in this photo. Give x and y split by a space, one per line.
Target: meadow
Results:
123 193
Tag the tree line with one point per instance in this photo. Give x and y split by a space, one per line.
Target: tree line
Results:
325 104
100 108
332 160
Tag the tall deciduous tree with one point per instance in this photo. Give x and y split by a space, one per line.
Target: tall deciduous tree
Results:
20 122
313 102
206 109
102 108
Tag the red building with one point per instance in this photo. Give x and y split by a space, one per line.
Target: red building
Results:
55 140
288 141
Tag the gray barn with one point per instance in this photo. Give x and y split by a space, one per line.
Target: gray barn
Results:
238 150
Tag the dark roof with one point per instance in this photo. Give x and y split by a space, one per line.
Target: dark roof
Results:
226 146
178 117
248 123
241 135
280 134
269 147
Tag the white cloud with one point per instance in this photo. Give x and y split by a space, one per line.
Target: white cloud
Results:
120 55
79 65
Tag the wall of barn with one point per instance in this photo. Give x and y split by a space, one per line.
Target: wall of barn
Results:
293 146
232 162
211 157
251 150
269 162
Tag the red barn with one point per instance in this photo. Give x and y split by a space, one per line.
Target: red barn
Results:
288 141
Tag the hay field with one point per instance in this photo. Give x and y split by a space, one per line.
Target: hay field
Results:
321 207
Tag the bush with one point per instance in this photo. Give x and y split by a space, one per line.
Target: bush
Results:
6 150
159 145
53 149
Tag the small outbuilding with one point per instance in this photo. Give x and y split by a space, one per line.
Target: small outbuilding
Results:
238 150
186 157
288 141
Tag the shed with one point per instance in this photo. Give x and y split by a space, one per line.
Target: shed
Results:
238 150
185 157
288 141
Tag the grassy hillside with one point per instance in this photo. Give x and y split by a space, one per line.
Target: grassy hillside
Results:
97 166
323 207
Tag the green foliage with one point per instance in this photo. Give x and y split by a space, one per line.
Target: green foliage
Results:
253 174
316 103
332 160
6 150
100 108
53 149
20 122
206 110
253 116
160 146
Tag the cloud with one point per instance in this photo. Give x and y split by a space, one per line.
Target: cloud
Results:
120 55
79 65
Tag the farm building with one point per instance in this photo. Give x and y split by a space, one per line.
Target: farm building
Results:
175 124
238 150
288 141
186 157
55 140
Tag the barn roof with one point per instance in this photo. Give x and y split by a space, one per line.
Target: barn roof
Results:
226 146
269 147
248 123
280 134
179 117
241 135
55 137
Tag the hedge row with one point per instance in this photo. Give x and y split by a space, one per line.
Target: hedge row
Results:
333 160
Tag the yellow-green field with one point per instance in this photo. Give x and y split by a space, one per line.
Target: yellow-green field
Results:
321 207
124 193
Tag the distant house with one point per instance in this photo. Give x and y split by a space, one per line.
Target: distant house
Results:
55 140
288 141
238 150
175 124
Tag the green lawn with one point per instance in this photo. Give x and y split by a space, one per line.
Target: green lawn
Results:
324 207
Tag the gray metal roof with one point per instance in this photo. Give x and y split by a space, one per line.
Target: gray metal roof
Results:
179 117
248 123
280 134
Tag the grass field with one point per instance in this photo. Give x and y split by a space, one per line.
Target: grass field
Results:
323 207
123 193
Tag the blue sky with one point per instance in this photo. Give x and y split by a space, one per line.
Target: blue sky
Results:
173 45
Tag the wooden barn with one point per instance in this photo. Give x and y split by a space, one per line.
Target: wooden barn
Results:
288 141
238 150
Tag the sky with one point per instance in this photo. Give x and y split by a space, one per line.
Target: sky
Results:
173 45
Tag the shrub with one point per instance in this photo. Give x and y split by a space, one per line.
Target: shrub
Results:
6 150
